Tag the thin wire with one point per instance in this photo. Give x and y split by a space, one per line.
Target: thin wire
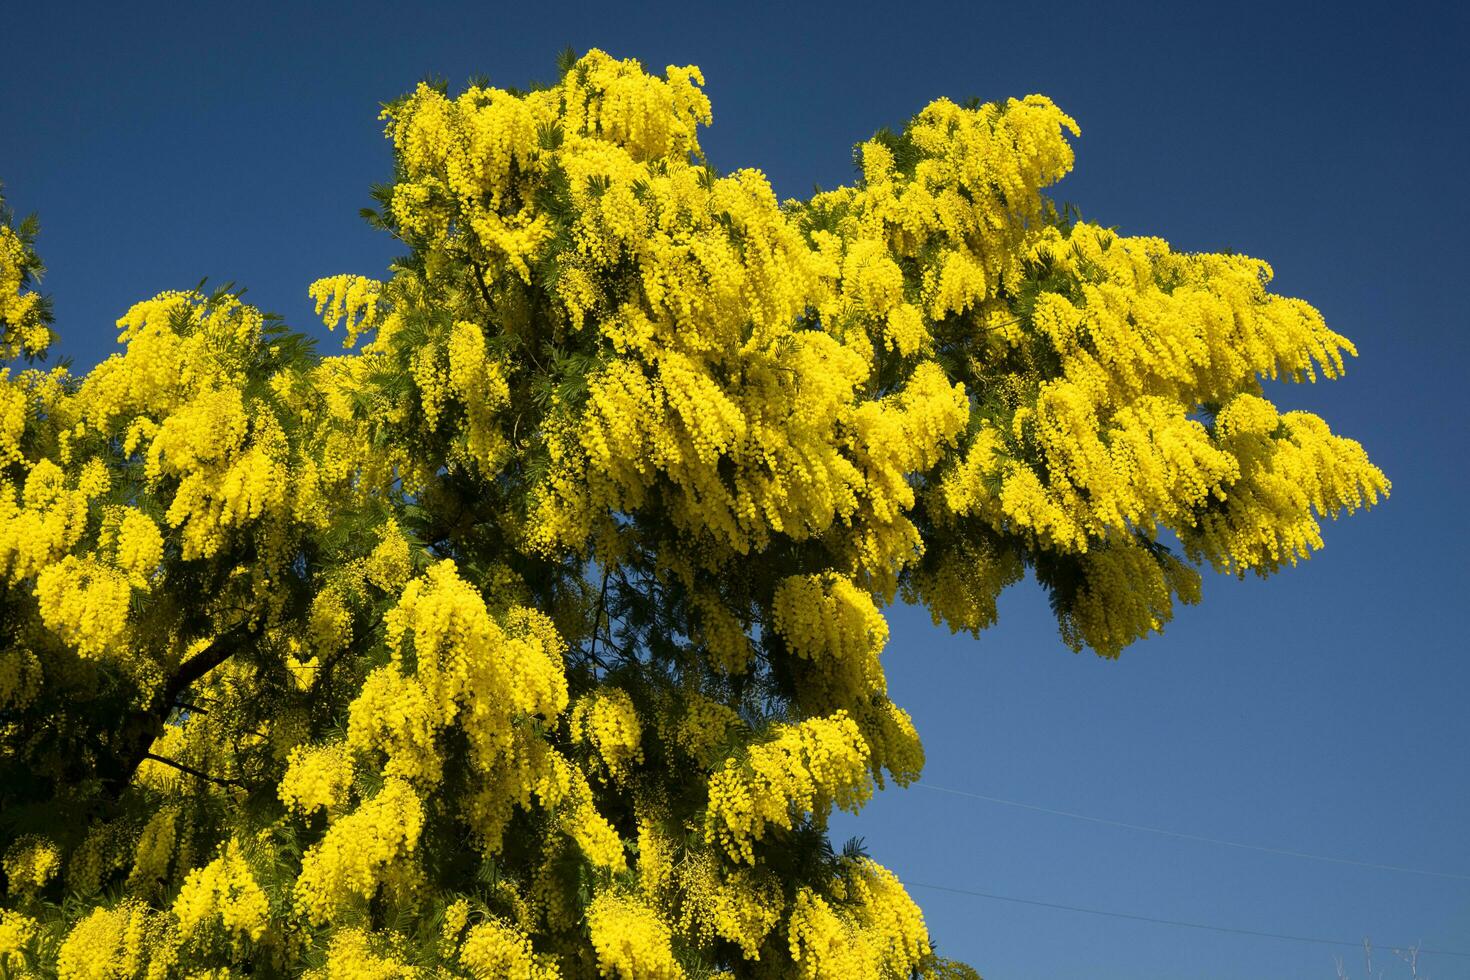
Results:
1195 837
1168 922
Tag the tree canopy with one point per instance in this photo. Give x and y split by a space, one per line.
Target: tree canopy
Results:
538 633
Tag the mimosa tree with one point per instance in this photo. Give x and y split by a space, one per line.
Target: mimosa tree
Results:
538 633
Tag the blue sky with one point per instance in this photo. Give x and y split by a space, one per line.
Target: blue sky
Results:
1321 711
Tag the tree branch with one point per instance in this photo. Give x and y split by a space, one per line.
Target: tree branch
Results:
198 665
140 728
195 772
480 281
597 620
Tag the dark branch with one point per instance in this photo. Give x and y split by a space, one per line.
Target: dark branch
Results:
201 663
140 728
597 621
480 281
195 772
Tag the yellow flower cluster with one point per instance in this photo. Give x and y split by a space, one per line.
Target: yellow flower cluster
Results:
29 864
14 412
580 820
153 852
349 299
361 852
355 954
139 546
316 777
498 949
632 942
826 616
1289 477
465 660
17 933
124 942
223 891
961 210
805 768
877 933
20 678
657 852
741 906
391 564
606 720
231 467
828 620
86 603
23 328
467 670
714 394
48 520
392 714
702 726
219 458
893 742
1109 445
329 624
103 851
724 637
479 384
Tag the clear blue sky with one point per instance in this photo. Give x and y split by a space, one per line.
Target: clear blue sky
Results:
1324 710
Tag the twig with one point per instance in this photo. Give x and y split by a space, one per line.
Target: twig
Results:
195 772
480 281
597 620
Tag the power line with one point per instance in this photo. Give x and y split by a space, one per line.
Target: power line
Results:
1166 922
1194 837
